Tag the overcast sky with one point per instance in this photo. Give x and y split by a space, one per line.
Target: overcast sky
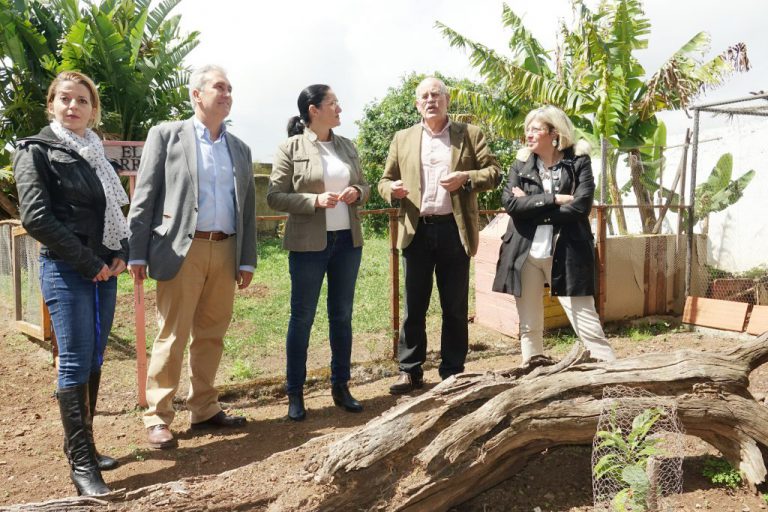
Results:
273 49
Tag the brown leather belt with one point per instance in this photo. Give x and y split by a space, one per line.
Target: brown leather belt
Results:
214 236
437 219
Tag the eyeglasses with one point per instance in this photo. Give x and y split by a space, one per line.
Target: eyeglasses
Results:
536 129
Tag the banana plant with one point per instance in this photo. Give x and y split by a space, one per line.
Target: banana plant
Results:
594 76
136 54
133 49
719 191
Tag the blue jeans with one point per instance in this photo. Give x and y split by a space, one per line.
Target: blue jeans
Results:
341 261
71 300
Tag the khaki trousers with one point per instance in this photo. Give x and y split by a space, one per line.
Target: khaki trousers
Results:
580 311
197 302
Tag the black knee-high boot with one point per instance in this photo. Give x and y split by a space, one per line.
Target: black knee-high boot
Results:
84 470
105 462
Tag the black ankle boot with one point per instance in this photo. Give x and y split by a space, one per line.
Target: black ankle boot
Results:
344 399
106 463
296 410
84 470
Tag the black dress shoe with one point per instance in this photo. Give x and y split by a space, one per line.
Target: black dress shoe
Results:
296 410
220 420
406 383
344 399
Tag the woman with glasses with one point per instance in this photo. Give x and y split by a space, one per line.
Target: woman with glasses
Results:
318 181
548 197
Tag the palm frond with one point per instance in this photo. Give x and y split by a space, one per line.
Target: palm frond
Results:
158 15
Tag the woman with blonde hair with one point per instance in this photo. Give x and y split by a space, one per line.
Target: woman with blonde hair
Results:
70 198
548 197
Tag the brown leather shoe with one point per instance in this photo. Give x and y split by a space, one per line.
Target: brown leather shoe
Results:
406 383
159 437
220 420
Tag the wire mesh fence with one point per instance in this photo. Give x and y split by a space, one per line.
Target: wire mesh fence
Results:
6 268
637 453
28 265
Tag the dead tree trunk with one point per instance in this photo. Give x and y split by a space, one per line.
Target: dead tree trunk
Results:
439 449
472 432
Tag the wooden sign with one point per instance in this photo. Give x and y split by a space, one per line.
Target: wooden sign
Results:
127 153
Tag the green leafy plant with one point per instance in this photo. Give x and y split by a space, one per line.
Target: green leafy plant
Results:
595 76
721 473
627 461
719 191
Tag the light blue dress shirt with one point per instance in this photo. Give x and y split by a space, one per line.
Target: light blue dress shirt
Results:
215 181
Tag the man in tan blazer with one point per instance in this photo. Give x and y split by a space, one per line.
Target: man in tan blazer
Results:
193 228
435 170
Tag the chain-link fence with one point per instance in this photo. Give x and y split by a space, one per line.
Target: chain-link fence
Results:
25 250
637 453
20 281
6 269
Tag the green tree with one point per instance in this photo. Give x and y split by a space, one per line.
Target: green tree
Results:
134 53
397 111
594 76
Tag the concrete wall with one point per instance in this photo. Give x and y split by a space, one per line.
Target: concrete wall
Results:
261 173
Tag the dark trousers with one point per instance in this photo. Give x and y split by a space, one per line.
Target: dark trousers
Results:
435 249
340 261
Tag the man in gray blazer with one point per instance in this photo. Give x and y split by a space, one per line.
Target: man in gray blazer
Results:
193 229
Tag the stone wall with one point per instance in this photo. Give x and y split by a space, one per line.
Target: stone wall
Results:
261 173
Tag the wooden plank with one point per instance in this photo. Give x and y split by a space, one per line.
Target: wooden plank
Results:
16 267
29 329
758 320
718 314
661 275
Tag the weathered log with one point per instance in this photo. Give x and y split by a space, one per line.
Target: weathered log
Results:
472 431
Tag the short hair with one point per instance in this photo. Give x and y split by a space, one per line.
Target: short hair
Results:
82 79
557 121
443 88
199 78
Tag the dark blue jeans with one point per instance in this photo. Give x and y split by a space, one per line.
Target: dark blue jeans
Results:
71 301
341 261
435 250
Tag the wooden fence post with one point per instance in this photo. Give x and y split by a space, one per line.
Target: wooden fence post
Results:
394 289
601 256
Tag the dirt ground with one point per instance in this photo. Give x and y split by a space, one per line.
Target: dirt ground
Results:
33 467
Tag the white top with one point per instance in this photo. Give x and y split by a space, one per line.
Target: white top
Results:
542 240
435 165
336 179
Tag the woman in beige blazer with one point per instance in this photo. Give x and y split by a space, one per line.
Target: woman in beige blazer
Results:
318 181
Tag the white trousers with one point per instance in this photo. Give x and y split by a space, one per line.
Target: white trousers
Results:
580 311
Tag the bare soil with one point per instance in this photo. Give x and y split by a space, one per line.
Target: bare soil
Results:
33 467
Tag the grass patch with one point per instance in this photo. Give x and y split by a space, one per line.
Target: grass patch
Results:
560 340
645 331
261 312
